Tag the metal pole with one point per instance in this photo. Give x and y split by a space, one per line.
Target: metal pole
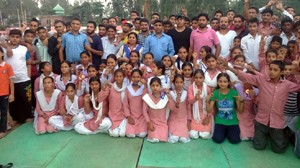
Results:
19 18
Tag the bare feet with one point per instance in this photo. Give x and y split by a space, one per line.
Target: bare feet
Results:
29 120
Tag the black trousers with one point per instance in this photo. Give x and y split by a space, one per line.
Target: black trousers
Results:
3 111
21 109
277 137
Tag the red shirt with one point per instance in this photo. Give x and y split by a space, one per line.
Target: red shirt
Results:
6 73
271 98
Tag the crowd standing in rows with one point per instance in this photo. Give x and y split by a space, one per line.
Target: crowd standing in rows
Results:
233 76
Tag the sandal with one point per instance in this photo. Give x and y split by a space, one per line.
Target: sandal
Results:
9 165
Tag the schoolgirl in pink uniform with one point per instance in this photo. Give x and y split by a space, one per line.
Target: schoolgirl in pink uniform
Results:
47 105
201 123
180 112
66 76
155 108
133 106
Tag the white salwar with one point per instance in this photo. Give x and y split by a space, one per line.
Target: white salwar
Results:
103 127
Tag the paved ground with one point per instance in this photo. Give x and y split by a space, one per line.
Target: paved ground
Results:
69 149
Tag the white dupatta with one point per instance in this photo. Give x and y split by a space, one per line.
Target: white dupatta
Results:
99 107
122 89
173 94
196 111
73 108
210 82
133 93
160 105
47 107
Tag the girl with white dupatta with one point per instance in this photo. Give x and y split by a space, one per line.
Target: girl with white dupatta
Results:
115 95
133 106
71 110
45 69
155 108
93 106
82 83
212 72
201 123
180 112
47 105
66 76
159 72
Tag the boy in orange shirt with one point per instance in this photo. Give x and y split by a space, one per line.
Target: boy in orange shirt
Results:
6 92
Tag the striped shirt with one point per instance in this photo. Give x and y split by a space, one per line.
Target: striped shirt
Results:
291 106
74 45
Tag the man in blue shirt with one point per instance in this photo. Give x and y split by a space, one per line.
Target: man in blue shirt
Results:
96 48
159 44
73 42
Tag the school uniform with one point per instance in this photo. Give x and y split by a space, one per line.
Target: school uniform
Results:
97 120
61 85
115 97
46 107
246 117
178 118
199 113
155 111
73 109
133 106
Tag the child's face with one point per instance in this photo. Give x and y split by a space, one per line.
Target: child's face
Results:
95 86
182 53
282 54
198 78
271 57
223 83
42 34
136 77
29 38
202 53
239 62
119 77
287 70
155 87
275 45
274 71
167 62
237 42
178 83
15 39
84 59
92 72
194 24
253 27
148 60
154 70
128 69
102 66
70 92
292 47
47 68
65 68
187 71
111 63
236 52
134 58
211 63
48 84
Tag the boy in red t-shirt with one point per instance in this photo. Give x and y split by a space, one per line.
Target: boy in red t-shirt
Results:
6 92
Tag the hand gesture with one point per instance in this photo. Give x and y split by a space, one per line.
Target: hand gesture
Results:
198 94
87 98
206 120
208 97
143 81
194 55
150 126
279 5
59 40
130 120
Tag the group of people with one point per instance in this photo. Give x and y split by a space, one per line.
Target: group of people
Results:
233 76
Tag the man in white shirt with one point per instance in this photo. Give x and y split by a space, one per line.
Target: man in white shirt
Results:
250 44
226 37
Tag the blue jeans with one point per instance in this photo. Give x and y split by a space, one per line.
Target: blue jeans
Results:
297 145
232 132
3 111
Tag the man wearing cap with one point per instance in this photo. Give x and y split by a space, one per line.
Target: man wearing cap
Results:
180 34
126 28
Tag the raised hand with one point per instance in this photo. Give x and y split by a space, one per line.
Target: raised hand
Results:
87 98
